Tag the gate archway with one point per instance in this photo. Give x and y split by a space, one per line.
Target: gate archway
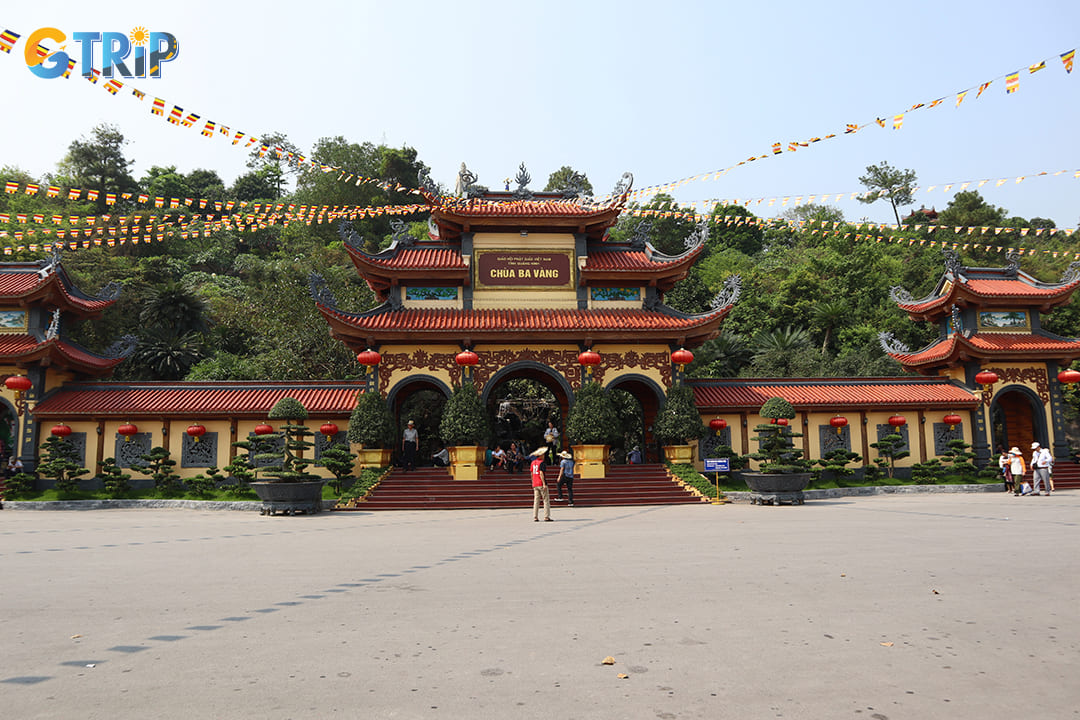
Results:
419 398
1017 418
649 396
530 430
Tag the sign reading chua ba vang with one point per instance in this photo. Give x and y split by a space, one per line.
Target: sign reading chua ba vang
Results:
518 269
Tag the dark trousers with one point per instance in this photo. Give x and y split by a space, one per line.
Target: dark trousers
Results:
409 451
569 483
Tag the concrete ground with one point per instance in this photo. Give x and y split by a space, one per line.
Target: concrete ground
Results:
923 606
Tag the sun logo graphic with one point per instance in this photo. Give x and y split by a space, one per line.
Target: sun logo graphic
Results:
137 54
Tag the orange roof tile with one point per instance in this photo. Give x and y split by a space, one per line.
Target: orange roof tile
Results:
21 280
195 400
523 208
27 348
617 259
829 393
992 287
989 345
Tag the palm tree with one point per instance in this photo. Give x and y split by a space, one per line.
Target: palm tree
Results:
164 355
723 356
173 307
779 343
829 315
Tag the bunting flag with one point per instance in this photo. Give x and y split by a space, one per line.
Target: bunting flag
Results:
960 97
1036 67
113 86
898 121
1067 60
175 114
851 128
159 107
8 39
982 88
1012 82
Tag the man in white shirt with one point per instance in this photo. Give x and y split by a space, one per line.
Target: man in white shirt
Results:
1041 462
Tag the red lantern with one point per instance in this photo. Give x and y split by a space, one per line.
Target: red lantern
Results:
196 431
329 429
838 422
682 357
986 378
368 358
952 421
127 430
263 429
718 424
18 383
782 421
898 421
466 358
589 358
61 430
1069 376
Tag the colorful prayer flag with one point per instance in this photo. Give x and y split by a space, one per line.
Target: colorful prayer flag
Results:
11 187
777 148
53 191
1012 82
175 115
1067 60
138 93
159 107
113 86
960 97
190 120
1036 67
898 121
208 129
983 87
7 40
851 128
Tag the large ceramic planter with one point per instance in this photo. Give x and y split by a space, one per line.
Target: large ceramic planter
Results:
466 461
774 488
590 461
289 498
679 454
374 457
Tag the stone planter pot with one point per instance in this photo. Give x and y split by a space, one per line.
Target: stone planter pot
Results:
466 461
774 489
590 461
679 454
289 498
374 457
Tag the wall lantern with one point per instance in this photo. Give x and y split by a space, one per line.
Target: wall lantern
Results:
127 430
589 359
987 378
782 421
329 430
369 359
897 421
466 358
1067 377
952 421
838 422
718 424
195 431
263 429
61 430
18 383
682 357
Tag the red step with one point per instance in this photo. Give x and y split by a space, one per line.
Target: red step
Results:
1066 476
434 489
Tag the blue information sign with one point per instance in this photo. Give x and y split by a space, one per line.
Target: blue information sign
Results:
718 465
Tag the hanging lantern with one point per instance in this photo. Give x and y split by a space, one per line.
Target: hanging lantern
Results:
18 383
987 378
466 358
897 421
782 421
195 431
682 357
329 430
61 430
263 429
127 430
1067 377
718 424
838 422
589 358
952 420
368 358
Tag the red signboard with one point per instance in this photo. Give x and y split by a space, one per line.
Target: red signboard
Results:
518 269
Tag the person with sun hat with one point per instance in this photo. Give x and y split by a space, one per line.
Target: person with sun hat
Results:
539 484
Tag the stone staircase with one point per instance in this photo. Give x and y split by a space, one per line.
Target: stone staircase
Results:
1066 476
434 489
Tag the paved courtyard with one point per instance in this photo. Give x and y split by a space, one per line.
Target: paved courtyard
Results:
922 606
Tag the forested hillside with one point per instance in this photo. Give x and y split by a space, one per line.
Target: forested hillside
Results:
229 300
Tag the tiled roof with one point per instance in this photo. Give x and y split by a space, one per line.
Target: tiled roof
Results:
827 393
1022 288
523 208
521 321
416 259
195 400
623 260
26 348
985 345
19 283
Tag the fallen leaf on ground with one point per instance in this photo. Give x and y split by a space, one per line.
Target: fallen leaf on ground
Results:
73 637
608 661
623 676
887 644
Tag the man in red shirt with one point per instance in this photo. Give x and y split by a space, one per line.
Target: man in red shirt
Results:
539 483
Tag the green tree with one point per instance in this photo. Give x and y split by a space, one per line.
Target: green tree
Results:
339 461
828 315
117 482
890 448
173 307
566 178
678 421
161 467
98 162
592 419
895 185
60 462
464 420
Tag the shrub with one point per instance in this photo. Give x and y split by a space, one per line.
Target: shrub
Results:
60 464
678 421
117 482
371 425
464 421
592 420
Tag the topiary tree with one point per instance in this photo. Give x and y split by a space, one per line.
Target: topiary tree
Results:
241 471
464 421
160 466
203 485
291 467
338 460
889 450
117 482
678 421
592 419
288 408
836 462
60 463
776 451
371 425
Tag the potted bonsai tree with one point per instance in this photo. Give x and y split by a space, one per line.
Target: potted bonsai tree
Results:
782 474
591 426
677 423
465 429
371 426
291 488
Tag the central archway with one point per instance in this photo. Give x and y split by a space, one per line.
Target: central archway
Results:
529 430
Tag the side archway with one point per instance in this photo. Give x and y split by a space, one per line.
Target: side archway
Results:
1017 417
419 398
650 397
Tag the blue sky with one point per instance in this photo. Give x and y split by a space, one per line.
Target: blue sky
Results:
664 90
